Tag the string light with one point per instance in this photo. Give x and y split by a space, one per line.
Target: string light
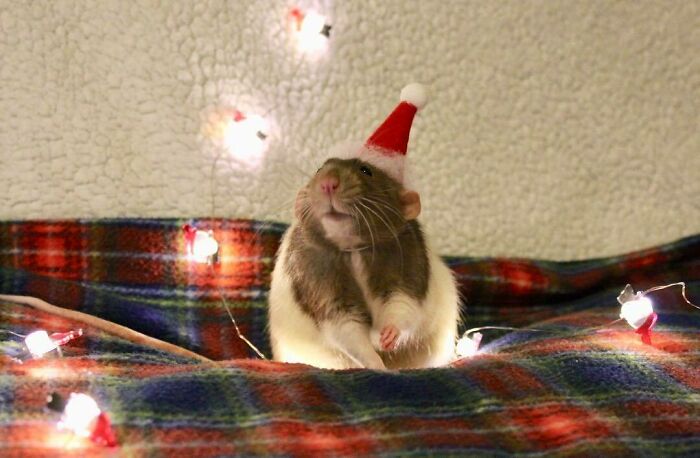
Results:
245 137
81 416
468 346
311 31
39 342
638 310
202 247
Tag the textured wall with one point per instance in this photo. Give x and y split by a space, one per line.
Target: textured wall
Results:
555 129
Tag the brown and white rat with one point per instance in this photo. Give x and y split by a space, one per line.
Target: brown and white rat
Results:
356 283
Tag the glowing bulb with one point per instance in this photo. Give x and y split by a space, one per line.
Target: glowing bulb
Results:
79 415
39 343
312 24
245 137
201 245
636 307
205 246
637 311
312 31
468 346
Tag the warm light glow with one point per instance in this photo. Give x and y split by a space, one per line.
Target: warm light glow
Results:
50 373
312 32
637 310
79 415
469 346
203 247
66 441
246 138
39 343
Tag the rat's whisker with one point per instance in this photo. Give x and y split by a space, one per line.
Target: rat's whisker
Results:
380 218
391 230
388 188
389 219
386 221
369 228
378 200
382 204
305 212
392 209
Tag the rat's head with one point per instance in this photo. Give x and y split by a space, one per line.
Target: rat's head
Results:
354 203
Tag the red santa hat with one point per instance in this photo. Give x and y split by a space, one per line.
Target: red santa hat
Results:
386 147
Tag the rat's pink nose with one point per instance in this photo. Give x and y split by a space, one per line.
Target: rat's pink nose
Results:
329 184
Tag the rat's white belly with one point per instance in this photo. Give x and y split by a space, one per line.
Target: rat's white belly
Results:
294 336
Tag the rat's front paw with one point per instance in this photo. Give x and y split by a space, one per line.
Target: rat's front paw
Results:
389 338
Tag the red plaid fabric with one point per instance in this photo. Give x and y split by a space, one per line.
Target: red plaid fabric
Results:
568 391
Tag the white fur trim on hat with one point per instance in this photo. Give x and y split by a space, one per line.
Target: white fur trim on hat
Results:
391 163
414 94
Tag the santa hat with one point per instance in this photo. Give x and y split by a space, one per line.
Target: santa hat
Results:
386 147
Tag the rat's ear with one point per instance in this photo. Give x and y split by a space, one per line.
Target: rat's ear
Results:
410 204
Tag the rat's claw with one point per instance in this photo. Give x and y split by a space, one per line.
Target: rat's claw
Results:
389 337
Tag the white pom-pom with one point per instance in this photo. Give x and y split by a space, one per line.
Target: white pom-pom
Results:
414 94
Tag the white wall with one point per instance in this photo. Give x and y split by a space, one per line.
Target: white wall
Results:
555 129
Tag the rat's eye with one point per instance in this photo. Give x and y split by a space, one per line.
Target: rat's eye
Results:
366 170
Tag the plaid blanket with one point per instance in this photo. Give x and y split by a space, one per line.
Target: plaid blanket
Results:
566 390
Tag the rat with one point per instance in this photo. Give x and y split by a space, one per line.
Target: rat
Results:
356 284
